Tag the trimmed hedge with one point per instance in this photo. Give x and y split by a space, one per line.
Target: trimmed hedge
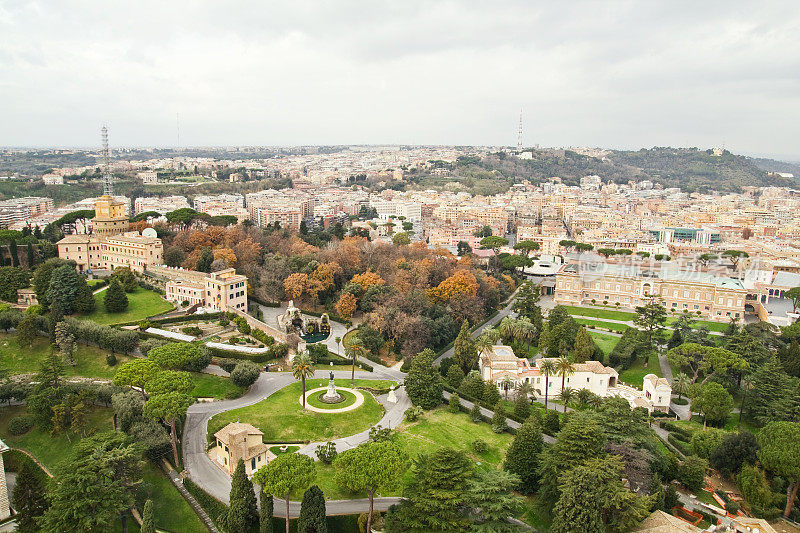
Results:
256 299
682 433
230 354
205 317
212 506
680 445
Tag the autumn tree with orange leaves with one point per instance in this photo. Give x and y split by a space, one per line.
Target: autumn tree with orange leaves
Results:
346 305
461 283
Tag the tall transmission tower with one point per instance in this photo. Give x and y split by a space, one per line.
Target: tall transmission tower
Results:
519 133
107 189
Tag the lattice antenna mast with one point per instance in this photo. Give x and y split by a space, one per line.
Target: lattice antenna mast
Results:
519 133
107 189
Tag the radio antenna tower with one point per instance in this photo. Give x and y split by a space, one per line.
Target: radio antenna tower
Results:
107 189
519 133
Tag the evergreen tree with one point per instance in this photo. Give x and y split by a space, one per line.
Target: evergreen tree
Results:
522 408
84 300
464 351
148 524
583 350
790 358
770 397
14 252
29 496
490 394
454 404
455 376
472 386
490 491
206 258
115 300
499 423
27 330
242 513
63 288
265 517
31 256
522 457
65 341
475 413
312 512
424 383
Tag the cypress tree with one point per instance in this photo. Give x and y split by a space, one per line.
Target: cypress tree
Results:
115 300
14 252
464 351
148 524
84 301
490 394
499 424
265 518
522 408
522 457
30 496
242 514
312 512
31 256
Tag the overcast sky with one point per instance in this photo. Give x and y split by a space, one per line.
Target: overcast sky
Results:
613 74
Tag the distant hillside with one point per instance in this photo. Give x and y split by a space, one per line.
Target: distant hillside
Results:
690 169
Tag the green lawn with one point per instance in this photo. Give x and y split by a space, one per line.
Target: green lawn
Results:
281 416
605 342
613 326
51 450
89 360
289 449
141 304
172 513
636 373
712 326
211 386
612 314
436 429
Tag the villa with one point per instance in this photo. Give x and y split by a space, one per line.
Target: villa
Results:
240 441
502 363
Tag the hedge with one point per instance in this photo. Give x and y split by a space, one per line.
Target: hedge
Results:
230 354
680 445
106 337
256 299
683 433
205 317
212 506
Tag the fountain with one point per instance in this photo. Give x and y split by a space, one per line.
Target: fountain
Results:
331 396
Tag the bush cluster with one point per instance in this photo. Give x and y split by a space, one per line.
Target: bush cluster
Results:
19 425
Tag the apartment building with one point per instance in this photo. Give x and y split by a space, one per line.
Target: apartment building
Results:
22 209
712 297
162 205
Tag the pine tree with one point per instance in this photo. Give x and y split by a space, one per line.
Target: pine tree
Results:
312 512
63 288
148 525
424 383
30 496
243 513
490 491
27 330
265 517
499 423
464 351
522 457
584 346
84 300
522 408
115 300
769 397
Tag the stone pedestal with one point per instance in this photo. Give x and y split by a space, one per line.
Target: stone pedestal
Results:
331 395
392 397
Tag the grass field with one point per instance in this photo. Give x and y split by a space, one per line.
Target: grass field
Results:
89 360
636 373
605 342
613 326
210 386
172 513
141 304
281 416
595 312
436 429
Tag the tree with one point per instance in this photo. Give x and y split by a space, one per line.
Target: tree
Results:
464 351
708 360
651 317
265 515
424 383
499 423
780 454
463 248
713 401
566 396
455 376
735 256
302 368
522 408
346 305
564 368
681 384
493 243
547 368
312 512
286 475
245 374
126 278
84 300
11 280
65 341
735 451
490 491
63 288
522 457
115 300
136 373
583 350
773 394
705 259
30 496
31 255
148 522
94 485
692 472
206 258
490 394
242 514
174 256
27 330
593 499
793 295
436 495
368 467
353 349
401 239
169 407
173 355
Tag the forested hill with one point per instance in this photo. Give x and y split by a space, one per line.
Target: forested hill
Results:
689 169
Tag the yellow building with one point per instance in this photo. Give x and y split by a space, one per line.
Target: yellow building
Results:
218 291
715 297
109 217
129 249
240 441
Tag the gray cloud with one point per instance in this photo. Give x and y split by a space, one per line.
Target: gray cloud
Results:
615 73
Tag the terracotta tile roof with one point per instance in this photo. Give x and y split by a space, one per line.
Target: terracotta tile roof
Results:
234 428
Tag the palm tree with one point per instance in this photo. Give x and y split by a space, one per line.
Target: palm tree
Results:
681 384
584 397
596 401
352 350
523 389
526 331
302 368
564 368
566 396
484 343
547 368
507 383
509 329
338 346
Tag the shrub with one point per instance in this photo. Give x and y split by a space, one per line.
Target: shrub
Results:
192 330
245 374
111 359
680 401
145 324
228 364
379 433
148 344
412 414
19 425
199 361
732 507
224 321
326 452
185 303
704 442
454 405
475 413
233 340
480 446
